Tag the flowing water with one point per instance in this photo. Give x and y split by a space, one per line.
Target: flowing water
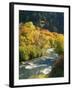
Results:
41 65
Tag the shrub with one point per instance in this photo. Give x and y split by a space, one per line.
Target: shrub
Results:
23 53
34 42
39 52
59 45
59 48
33 53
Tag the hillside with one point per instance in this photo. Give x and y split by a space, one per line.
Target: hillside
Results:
34 41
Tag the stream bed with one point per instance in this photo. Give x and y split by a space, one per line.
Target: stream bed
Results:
37 66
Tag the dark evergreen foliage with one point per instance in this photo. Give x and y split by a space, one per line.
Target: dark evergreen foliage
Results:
54 21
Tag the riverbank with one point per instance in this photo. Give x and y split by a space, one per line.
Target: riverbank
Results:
37 68
58 68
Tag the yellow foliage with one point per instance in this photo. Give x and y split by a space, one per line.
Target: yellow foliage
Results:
33 37
38 36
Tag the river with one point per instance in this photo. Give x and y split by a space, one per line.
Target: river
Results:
37 66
